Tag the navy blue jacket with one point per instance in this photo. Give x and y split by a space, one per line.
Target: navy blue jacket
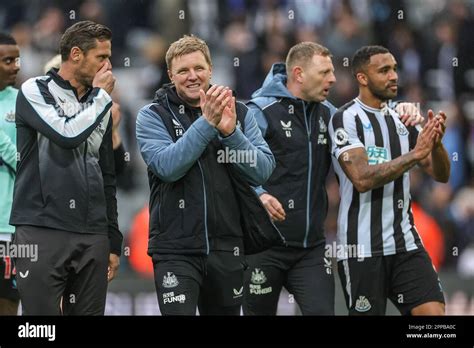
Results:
197 202
296 132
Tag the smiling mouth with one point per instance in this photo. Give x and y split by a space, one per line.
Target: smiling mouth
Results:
193 86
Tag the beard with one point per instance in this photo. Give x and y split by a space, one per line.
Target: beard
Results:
383 94
83 78
85 81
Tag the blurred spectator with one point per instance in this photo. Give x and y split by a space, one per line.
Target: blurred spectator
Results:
154 74
430 234
347 34
48 30
139 260
245 59
402 45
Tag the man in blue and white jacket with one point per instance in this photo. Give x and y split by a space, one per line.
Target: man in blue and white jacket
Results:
203 151
64 203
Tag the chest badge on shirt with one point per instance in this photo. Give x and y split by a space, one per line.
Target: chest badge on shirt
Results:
178 130
10 116
401 129
322 126
286 128
322 140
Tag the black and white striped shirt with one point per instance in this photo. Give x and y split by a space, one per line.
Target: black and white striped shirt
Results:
380 221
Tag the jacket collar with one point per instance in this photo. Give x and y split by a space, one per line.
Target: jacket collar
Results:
65 84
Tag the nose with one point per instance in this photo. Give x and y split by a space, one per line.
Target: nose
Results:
393 76
332 79
192 75
16 65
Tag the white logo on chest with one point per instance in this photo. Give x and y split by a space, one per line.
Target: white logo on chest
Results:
286 128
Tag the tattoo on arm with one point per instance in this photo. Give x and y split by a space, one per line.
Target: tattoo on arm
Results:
366 177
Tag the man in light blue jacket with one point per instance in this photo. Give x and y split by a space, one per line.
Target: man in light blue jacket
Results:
9 67
203 151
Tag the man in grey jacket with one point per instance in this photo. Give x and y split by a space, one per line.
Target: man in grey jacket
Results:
64 204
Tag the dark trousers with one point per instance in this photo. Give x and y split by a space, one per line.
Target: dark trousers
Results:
212 283
305 273
69 265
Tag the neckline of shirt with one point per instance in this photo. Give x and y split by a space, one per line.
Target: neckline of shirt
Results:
365 106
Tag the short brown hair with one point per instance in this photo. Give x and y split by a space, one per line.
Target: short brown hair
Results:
187 44
303 52
83 35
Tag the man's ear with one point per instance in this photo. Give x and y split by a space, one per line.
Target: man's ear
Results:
75 54
297 73
362 78
170 75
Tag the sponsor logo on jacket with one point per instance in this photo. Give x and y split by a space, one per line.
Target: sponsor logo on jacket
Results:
286 128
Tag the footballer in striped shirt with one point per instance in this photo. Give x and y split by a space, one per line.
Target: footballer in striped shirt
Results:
372 153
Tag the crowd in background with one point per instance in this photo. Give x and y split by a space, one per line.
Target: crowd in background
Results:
431 41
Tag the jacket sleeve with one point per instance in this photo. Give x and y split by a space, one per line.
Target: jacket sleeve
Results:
37 107
261 162
260 118
263 126
7 151
168 160
107 166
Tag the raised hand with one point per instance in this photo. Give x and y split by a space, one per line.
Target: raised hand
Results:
441 128
229 117
104 78
426 138
213 103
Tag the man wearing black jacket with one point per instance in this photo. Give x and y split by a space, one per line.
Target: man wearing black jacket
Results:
293 114
203 151
64 198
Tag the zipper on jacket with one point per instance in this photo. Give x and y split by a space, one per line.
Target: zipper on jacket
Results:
310 165
205 206
203 183
87 181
